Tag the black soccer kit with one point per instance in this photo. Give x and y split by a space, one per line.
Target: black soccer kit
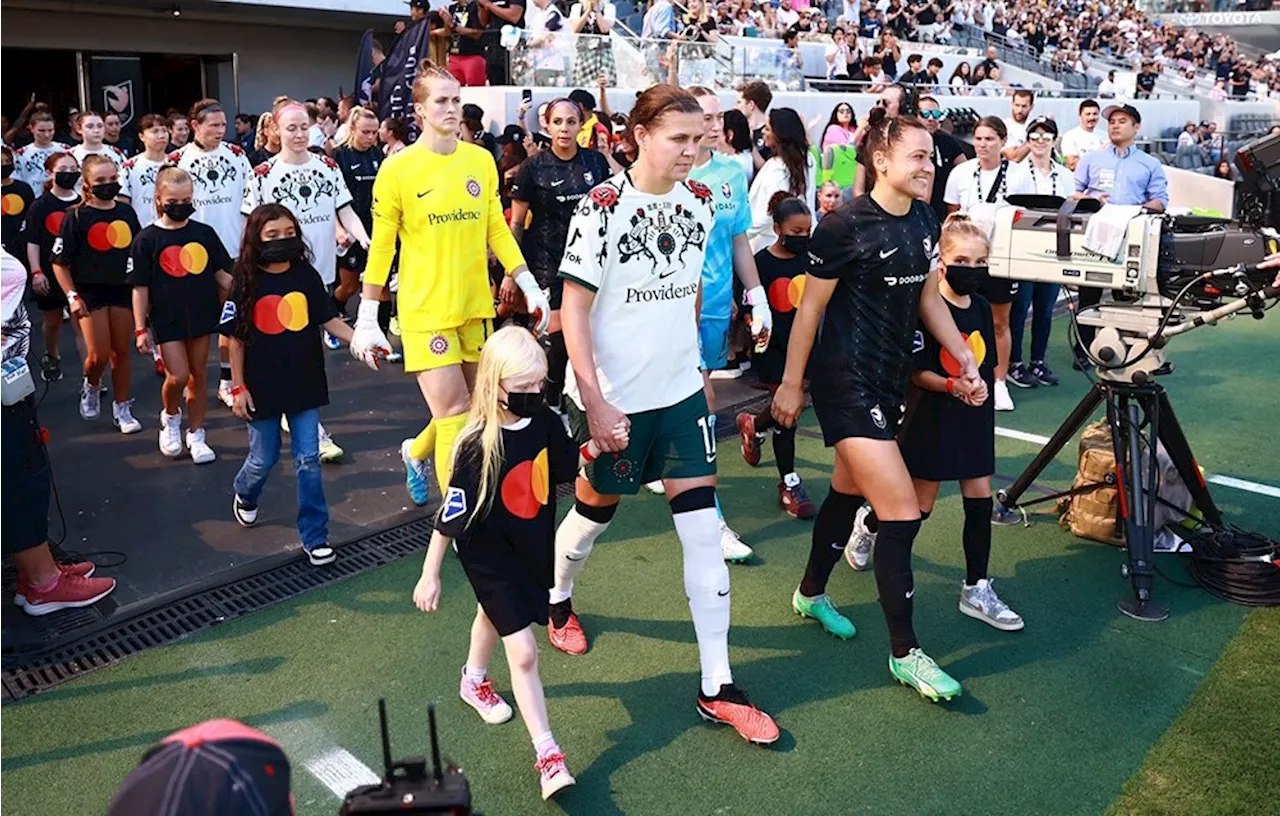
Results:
862 361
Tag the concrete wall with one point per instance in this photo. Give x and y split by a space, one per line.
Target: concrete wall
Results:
274 60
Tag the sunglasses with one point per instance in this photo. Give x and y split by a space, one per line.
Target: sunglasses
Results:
1041 137
933 114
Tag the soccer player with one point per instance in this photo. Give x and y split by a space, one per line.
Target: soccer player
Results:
633 271
29 160
439 197
872 273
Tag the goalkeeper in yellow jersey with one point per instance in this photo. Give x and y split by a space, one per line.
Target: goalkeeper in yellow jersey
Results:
439 197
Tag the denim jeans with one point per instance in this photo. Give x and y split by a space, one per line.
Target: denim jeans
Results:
1039 298
304 444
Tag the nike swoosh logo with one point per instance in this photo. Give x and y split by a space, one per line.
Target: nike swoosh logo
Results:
571 558
884 254
722 594
429 192
837 546
909 594
557 183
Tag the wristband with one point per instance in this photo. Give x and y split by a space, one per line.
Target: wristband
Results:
236 390
951 385
73 295
35 272
139 332
585 452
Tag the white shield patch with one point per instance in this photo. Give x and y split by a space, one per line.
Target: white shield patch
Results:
455 505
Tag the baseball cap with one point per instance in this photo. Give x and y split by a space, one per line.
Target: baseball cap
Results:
216 768
1129 109
1043 123
511 134
472 111
584 99
418 4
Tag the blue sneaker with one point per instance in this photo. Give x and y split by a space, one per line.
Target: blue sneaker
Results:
330 342
415 475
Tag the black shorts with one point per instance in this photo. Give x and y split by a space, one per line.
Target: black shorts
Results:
24 470
99 295
856 414
355 259
510 600
55 300
999 291
176 324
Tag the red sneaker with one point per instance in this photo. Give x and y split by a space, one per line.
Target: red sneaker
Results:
795 502
71 592
732 708
81 568
569 638
750 440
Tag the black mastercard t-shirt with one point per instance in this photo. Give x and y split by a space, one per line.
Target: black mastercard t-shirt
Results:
44 225
280 329
178 267
15 201
95 243
880 262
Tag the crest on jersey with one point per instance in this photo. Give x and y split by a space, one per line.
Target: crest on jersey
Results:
877 416
118 99
726 190
928 245
454 505
917 342
473 188
228 312
589 177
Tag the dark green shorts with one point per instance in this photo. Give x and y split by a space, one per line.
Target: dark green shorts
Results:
678 442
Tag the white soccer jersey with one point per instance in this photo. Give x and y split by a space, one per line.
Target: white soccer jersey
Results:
313 191
138 183
642 255
113 153
28 164
221 177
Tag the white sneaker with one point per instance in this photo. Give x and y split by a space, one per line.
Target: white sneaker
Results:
122 417
1004 402
655 487
171 434
982 602
862 542
731 547
224 393
90 401
201 453
329 450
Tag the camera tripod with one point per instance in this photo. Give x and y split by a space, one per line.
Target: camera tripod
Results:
1136 474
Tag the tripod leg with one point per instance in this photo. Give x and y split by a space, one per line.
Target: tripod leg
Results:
1175 442
1065 433
1137 494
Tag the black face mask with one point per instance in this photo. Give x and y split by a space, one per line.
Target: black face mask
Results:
66 179
106 192
179 210
966 280
796 244
281 250
525 403
6 170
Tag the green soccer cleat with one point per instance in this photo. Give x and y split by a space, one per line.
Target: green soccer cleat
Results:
824 612
919 671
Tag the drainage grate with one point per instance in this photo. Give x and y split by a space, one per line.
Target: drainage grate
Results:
109 641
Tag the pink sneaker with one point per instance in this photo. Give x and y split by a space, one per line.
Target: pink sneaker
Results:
487 702
70 592
555 774
83 569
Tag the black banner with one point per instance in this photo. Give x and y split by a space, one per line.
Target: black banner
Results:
395 97
115 86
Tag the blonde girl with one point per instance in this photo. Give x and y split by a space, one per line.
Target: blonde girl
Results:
499 511
180 276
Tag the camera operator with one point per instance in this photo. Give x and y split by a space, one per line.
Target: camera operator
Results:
1118 174
44 585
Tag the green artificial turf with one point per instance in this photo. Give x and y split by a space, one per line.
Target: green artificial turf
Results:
1053 720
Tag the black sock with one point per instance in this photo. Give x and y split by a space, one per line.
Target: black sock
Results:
557 363
340 304
977 538
384 316
831 532
784 450
559 612
872 523
765 420
224 372
895 582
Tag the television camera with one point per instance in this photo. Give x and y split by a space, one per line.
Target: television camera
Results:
1170 275
408 786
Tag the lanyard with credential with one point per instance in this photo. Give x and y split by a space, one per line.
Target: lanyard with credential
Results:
997 184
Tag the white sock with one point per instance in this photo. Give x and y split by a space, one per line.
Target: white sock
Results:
544 744
706 583
791 479
575 537
476 676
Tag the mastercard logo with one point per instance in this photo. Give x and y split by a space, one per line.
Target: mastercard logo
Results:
104 236
12 204
188 259
53 222
273 314
976 344
526 487
785 293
